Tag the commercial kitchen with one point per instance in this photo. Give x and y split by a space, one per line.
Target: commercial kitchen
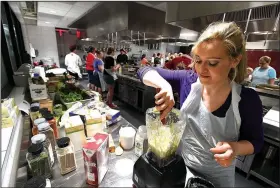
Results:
57 131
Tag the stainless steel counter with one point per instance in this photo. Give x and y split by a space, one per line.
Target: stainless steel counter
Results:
119 173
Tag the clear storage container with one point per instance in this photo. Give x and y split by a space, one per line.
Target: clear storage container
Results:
45 128
38 161
66 155
41 138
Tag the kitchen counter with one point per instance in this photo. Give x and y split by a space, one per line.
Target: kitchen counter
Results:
129 77
119 173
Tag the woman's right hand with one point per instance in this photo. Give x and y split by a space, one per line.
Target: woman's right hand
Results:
164 100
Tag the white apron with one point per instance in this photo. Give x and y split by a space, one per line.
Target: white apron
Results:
204 131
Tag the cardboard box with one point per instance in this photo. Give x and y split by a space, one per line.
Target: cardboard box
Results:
38 92
47 103
96 155
52 86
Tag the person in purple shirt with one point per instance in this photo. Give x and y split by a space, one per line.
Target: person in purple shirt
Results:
224 119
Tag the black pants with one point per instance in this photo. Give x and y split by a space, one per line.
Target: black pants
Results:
74 74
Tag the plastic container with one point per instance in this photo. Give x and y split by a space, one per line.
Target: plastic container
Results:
34 113
35 125
41 139
52 121
45 128
127 136
38 161
164 138
38 182
66 155
141 141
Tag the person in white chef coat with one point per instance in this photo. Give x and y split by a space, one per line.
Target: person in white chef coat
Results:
224 119
73 63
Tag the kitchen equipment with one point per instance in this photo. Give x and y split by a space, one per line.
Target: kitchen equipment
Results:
127 136
157 167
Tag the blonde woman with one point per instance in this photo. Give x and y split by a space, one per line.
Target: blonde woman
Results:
224 118
264 74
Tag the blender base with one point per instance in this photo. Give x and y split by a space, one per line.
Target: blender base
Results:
147 174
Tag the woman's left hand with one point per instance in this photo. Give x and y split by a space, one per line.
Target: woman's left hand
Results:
224 153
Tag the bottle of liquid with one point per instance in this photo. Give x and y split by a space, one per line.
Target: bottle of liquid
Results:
141 141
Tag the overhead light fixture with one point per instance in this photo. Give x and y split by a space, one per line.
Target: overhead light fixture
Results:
52 11
102 29
47 22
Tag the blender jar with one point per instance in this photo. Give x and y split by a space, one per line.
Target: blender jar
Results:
164 139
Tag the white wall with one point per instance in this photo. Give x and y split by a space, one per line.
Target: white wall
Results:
43 39
270 44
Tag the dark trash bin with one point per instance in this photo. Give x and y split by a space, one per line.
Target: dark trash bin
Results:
198 182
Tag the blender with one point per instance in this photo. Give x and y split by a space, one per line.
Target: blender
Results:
161 166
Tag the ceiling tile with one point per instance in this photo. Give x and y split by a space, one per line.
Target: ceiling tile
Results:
42 23
78 9
52 11
86 4
55 5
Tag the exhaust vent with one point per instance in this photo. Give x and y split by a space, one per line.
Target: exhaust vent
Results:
265 12
259 13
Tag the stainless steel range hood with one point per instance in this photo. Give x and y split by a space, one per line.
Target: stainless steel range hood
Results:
196 16
131 21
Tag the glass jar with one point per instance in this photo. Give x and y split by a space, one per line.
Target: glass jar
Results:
37 181
36 122
45 128
52 121
38 161
66 156
141 141
41 138
34 113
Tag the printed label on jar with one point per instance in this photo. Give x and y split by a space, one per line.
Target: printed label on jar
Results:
51 153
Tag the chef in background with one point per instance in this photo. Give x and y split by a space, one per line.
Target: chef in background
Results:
122 57
264 74
144 61
73 63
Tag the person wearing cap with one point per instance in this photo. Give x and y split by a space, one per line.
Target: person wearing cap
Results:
73 63
122 57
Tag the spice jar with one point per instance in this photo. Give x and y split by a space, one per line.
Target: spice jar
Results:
45 128
38 182
38 161
35 125
52 121
34 113
66 156
41 138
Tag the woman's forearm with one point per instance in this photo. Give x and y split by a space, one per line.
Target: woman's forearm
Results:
153 79
243 147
